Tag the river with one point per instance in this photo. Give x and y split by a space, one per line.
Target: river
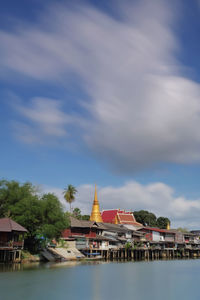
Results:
170 280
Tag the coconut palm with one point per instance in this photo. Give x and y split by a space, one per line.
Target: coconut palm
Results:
69 194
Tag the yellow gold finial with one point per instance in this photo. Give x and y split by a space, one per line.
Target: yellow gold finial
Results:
95 194
95 214
168 226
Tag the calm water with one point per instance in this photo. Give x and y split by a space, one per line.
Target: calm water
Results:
178 279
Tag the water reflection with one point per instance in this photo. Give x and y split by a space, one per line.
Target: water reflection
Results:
101 280
47 265
20 267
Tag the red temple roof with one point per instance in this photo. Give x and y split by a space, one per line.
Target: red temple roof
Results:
124 217
108 216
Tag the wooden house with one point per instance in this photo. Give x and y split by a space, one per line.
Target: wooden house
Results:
101 236
11 240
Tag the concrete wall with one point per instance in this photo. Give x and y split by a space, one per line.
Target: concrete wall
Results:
156 236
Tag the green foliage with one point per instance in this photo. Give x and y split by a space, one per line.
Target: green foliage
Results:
147 218
69 194
183 229
77 213
42 216
53 218
162 222
128 246
85 217
62 243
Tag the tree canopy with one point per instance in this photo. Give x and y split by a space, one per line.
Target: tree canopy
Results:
77 214
41 215
147 218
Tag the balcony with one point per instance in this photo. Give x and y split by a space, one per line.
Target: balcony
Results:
11 245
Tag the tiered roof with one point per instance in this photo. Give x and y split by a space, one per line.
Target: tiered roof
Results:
108 216
119 216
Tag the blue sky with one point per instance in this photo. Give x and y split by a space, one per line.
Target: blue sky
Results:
104 92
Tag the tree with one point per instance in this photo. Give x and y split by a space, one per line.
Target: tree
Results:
53 218
69 194
162 222
85 217
20 202
11 192
149 219
42 216
77 213
146 218
183 229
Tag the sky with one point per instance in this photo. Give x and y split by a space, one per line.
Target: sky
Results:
104 92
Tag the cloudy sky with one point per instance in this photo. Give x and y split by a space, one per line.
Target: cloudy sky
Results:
104 92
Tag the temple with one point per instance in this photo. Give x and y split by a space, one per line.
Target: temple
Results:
117 216
96 214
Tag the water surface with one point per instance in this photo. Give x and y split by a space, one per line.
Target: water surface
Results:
175 279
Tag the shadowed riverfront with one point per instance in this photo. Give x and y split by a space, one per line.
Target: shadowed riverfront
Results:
100 281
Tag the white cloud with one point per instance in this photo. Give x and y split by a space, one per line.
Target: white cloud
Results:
43 121
144 110
83 198
157 197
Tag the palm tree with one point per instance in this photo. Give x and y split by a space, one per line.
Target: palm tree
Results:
69 194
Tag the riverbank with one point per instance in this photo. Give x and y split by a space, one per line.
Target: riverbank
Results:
137 254
119 254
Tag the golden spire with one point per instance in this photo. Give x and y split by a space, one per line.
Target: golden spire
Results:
95 214
168 225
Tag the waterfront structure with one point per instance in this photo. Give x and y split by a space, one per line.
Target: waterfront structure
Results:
170 238
95 235
88 234
82 228
115 231
95 214
11 240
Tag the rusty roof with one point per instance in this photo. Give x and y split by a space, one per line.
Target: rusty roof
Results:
8 225
115 227
81 223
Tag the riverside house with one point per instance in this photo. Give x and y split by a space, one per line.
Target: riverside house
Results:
100 236
11 240
165 238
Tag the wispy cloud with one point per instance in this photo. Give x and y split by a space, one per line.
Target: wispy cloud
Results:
144 110
156 197
42 120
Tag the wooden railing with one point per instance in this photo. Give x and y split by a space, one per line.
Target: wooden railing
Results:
11 244
18 244
5 244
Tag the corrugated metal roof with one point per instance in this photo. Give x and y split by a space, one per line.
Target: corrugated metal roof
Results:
114 227
8 225
102 238
132 227
81 223
156 229
85 224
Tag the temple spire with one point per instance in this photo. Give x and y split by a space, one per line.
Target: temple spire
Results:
95 214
